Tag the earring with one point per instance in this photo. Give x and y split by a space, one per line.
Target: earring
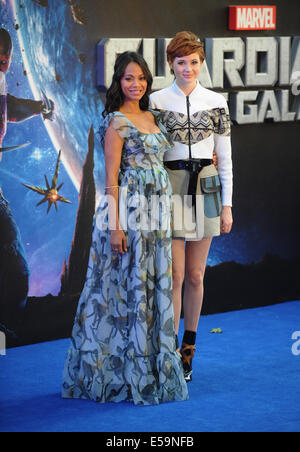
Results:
172 71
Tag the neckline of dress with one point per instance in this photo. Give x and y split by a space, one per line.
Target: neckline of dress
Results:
142 133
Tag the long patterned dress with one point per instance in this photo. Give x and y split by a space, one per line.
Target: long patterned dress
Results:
123 340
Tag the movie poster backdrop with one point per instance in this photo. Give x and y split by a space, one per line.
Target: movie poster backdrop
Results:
62 58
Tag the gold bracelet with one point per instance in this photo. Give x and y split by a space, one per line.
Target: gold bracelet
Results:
112 186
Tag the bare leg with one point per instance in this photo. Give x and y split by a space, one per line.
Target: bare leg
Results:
178 278
195 264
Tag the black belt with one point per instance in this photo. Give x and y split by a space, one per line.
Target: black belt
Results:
194 166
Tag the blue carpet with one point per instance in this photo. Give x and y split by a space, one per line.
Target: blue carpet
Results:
245 380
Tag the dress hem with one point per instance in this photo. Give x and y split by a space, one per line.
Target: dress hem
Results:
145 380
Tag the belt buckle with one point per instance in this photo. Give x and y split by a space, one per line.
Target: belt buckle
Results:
189 165
195 166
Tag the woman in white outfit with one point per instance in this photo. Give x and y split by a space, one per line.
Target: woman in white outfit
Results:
198 122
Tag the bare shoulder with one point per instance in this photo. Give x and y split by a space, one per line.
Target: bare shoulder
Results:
112 133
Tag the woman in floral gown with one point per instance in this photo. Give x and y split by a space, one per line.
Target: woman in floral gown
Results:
123 341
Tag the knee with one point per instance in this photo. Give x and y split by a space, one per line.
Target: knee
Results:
178 278
195 278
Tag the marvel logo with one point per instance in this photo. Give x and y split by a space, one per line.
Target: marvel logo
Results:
252 17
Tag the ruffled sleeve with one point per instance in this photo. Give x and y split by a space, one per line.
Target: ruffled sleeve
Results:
119 122
159 119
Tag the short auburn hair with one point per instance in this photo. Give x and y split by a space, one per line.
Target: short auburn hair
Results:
183 44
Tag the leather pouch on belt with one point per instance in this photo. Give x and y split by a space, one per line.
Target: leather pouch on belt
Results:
211 189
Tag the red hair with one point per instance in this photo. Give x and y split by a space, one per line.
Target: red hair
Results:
185 43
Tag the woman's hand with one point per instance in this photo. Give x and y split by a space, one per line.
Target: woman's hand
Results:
226 220
215 160
118 241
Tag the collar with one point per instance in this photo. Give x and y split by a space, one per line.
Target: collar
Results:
194 93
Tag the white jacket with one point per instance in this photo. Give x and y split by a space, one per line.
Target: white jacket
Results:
198 125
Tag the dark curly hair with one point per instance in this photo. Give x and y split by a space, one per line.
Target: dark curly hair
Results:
114 95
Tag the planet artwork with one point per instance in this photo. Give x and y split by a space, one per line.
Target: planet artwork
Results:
55 53
62 64
65 72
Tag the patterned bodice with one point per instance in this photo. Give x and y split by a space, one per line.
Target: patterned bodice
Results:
141 151
196 127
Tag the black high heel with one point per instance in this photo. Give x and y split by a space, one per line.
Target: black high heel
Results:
187 354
